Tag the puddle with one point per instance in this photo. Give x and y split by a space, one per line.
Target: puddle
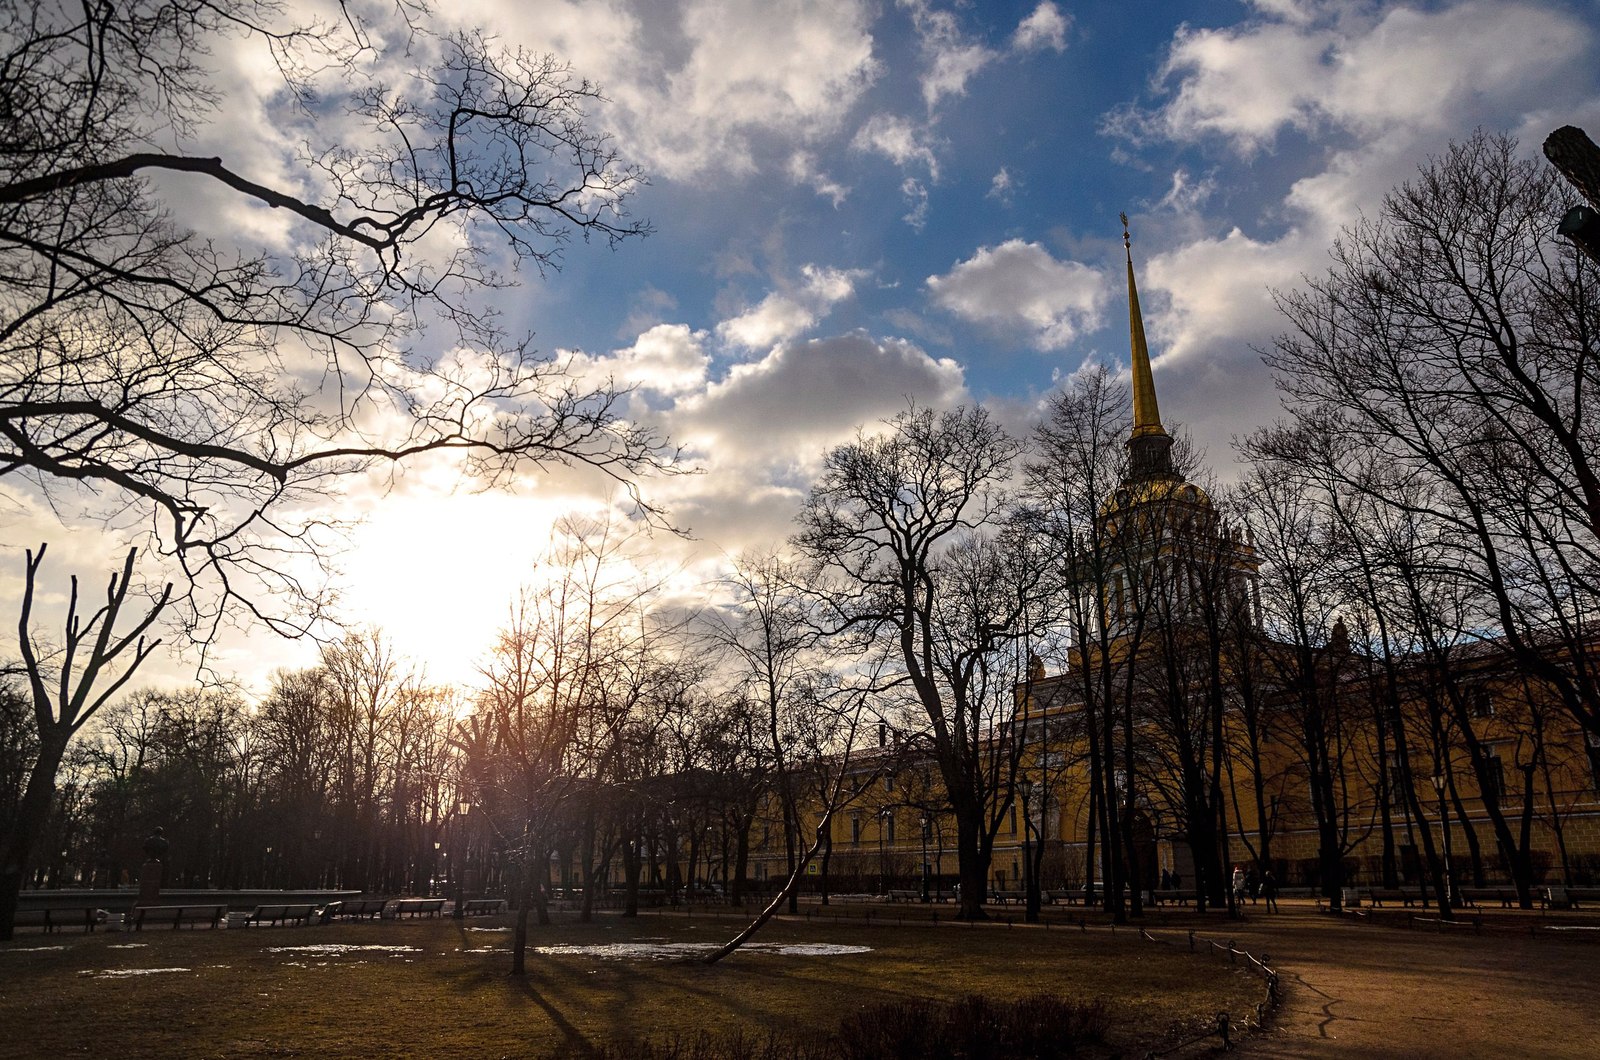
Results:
341 948
129 946
33 949
125 973
658 951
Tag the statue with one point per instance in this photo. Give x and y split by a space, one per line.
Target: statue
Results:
155 848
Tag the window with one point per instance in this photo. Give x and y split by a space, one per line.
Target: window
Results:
1397 780
1494 774
1480 702
888 826
1592 745
855 829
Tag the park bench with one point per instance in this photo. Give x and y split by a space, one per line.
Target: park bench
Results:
1010 897
1473 896
415 907
52 920
1404 895
1173 895
177 915
905 896
483 906
1557 896
276 914
356 907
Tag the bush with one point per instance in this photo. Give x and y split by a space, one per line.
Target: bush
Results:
1043 1027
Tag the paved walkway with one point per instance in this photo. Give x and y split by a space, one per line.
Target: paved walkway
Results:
1359 989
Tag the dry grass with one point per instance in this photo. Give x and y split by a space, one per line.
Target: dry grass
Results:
451 996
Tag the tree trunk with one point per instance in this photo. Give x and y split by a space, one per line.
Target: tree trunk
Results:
33 813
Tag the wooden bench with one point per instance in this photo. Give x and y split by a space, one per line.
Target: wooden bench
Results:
1404 895
1009 897
905 896
357 907
415 907
280 914
483 906
52 920
1506 896
177 915
1173 896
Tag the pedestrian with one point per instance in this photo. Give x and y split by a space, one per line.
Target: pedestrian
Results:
1252 886
1166 880
1269 890
1238 884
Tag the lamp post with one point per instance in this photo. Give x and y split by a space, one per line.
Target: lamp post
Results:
924 822
1439 782
463 808
1029 884
884 816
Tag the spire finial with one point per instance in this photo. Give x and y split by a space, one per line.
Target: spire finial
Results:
1146 415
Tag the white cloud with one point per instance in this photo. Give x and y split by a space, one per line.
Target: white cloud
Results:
898 139
803 170
1001 186
782 315
1358 69
760 433
1045 28
696 86
1018 286
915 194
952 57
668 358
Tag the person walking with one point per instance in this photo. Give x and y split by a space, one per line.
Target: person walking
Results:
1269 890
1238 885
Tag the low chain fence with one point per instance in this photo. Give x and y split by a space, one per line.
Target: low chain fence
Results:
1226 1023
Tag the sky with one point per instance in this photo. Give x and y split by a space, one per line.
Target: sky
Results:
857 204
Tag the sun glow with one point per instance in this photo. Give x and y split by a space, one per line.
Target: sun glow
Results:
438 574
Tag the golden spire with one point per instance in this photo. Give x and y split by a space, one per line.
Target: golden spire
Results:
1146 415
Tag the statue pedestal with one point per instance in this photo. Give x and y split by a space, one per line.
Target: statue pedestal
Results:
149 882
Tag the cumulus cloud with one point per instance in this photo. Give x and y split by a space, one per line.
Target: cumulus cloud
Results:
1000 187
782 315
759 434
803 170
898 139
951 56
1361 70
696 85
1018 286
1045 29
915 194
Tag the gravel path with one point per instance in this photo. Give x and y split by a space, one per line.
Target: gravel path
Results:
1361 989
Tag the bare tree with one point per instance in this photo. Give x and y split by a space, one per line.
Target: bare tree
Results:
67 686
1454 339
219 385
914 541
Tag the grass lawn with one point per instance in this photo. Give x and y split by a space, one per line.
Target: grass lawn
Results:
439 988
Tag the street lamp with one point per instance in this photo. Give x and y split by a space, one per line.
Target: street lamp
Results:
925 823
1439 781
884 817
1029 884
459 868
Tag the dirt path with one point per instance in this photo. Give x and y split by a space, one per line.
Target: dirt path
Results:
1363 989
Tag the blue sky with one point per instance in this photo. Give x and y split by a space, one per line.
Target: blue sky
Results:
861 202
